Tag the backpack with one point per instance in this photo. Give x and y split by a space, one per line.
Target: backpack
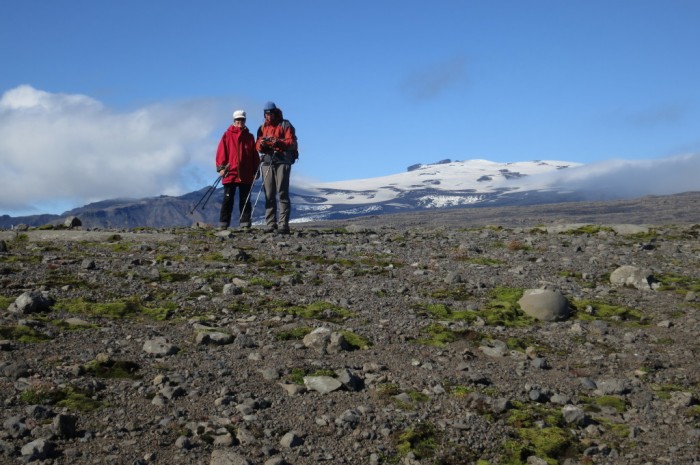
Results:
292 153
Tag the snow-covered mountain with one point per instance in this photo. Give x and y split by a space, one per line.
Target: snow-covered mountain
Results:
443 184
438 185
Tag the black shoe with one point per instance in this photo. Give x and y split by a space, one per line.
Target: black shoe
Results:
284 230
270 228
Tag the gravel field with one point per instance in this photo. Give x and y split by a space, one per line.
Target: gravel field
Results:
551 334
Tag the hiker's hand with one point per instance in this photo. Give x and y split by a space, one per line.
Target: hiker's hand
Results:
222 173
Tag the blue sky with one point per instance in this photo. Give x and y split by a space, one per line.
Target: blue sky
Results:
129 98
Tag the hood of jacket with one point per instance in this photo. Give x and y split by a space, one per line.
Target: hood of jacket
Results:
233 129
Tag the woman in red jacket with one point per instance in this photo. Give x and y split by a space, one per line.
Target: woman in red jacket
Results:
237 162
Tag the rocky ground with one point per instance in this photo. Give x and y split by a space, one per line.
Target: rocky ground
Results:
402 340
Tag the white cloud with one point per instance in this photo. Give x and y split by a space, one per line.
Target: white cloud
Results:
72 149
617 179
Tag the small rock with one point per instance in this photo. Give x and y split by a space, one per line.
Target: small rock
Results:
65 426
573 415
322 384
349 380
39 449
214 338
160 347
15 427
183 442
290 440
318 339
494 348
293 389
612 387
633 276
227 457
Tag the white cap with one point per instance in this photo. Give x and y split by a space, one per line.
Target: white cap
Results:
239 114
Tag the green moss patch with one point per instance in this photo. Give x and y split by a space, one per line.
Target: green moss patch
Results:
78 401
541 432
20 258
59 278
663 391
502 308
173 277
317 310
594 404
5 302
293 334
386 390
549 444
112 369
458 293
69 397
22 334
421 440
678 283
117 309
263 282
606 312
355 341
441 336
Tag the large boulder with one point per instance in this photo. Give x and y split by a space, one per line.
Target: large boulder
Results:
31 302
544 304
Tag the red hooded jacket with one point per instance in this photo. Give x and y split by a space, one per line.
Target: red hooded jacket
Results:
237 150
276 130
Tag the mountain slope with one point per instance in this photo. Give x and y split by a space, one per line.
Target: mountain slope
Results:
432 186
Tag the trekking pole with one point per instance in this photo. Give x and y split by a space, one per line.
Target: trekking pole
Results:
262 186
247 199
207 195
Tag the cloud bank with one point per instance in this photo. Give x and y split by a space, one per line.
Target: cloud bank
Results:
621 179
72 150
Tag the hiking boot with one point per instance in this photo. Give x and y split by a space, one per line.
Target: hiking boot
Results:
283 230
222 226
270 228
245 224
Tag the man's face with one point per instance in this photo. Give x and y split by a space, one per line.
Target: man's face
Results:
240 122
269 116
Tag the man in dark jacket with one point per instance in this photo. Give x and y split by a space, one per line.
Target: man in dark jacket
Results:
276 143
237 162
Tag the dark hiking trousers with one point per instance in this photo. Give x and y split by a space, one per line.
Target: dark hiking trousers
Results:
227 203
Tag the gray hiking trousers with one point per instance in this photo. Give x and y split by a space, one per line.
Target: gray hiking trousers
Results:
276 182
